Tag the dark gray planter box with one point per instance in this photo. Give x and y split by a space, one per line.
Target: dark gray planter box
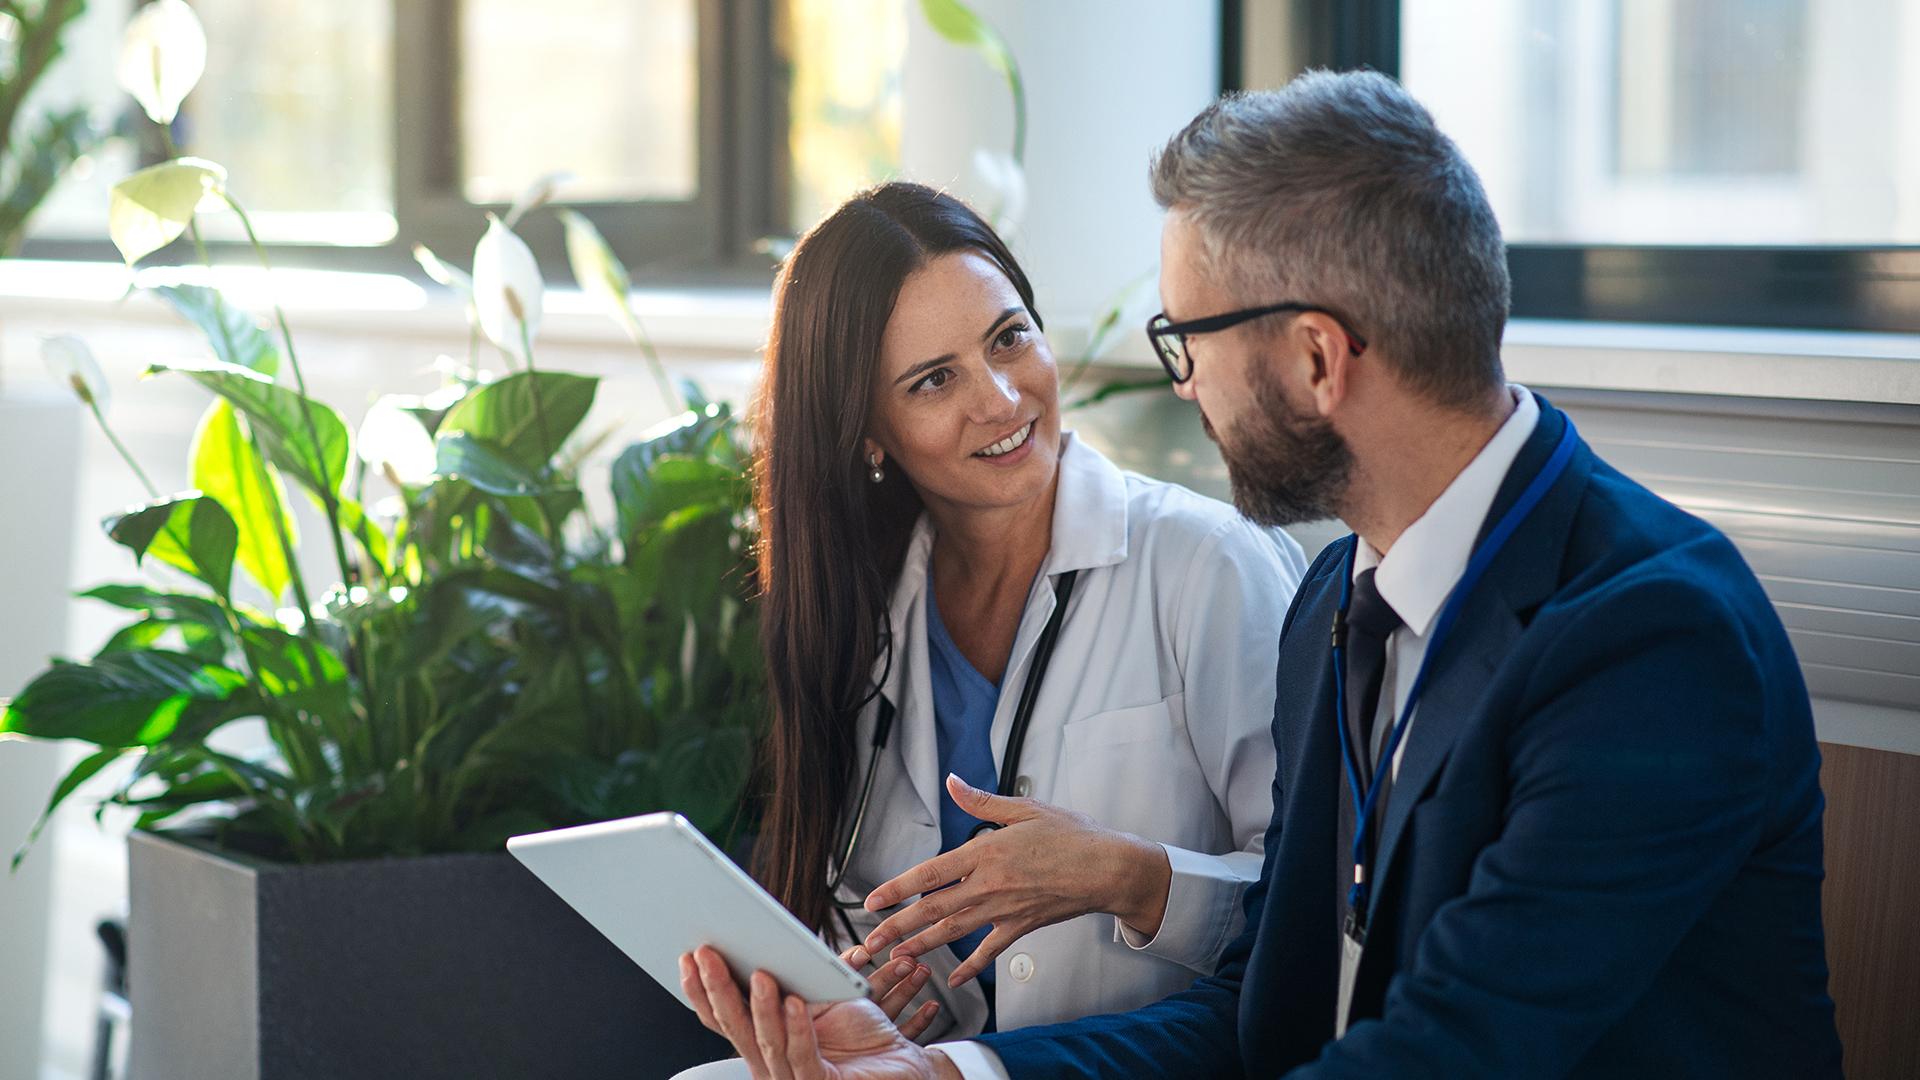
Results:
442 966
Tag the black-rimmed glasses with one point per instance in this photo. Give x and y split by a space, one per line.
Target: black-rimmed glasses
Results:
1170 338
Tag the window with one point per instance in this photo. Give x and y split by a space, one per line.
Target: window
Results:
1700 161
692 129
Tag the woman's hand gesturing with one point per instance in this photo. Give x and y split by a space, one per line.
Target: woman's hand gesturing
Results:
1044 865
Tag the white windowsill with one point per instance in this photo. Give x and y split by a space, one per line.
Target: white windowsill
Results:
1794 364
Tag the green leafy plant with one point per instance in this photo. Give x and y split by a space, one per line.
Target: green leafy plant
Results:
37 151
489 659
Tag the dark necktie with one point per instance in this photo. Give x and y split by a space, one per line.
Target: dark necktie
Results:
1370 622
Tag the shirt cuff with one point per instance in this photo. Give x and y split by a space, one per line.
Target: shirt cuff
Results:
1201 904
976 1061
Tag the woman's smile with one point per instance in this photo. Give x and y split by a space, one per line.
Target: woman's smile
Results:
1014 448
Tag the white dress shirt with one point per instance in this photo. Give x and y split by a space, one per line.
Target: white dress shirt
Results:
1414 578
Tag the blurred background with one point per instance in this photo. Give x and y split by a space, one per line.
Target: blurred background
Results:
1712 207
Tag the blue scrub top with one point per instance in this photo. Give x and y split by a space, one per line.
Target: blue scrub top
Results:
964 702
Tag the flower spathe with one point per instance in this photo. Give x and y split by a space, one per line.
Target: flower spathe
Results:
162 56
393 442
149 209
72 365
507 288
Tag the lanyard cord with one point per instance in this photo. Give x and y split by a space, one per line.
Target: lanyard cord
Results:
1477 565
1016 736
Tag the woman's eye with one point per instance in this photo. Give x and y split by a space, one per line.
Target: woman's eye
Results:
934 380
1011 336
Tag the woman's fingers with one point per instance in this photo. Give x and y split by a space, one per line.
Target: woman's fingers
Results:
907 979
947 930
993 945
696 992
729 1008
917 1024
803 1049
930 875
769 1025
921 913
857 957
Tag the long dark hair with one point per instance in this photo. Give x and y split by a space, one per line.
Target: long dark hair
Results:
831 539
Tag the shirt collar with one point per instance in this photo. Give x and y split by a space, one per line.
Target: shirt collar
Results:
1089 523
1416 576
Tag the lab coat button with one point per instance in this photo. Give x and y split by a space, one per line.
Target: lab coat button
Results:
1020 967
1023 786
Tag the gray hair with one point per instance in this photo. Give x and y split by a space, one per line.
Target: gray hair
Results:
1339 191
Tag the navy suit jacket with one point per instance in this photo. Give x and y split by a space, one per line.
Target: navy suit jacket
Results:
1601 856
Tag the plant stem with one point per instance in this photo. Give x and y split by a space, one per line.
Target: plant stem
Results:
285 538
125 456
329 499
39 46
639 335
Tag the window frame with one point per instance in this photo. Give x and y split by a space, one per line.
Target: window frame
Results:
1821 286
710 239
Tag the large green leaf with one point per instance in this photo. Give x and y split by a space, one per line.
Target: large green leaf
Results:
277 416
466 457
704 775
121 699
166 606
645 499
228 468
365 531
151 208
192 532
298 673
236 338
76 776
503 413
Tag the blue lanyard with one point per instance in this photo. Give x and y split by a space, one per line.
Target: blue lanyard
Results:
1482 558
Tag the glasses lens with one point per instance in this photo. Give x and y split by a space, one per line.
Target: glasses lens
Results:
1172 350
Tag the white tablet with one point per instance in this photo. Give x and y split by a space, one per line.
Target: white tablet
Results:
656 888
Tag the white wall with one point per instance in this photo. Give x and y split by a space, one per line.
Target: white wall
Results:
1107 82
39 452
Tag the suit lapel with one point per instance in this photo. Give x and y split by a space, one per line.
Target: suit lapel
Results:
1523 575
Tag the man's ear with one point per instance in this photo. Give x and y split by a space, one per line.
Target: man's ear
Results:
1326 360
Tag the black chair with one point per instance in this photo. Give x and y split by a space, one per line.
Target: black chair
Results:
115 1013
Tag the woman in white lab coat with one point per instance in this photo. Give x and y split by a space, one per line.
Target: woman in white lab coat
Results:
922 509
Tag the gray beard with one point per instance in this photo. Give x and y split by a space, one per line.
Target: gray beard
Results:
1287 466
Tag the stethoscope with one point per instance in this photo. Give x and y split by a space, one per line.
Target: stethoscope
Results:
1483 555
1009 761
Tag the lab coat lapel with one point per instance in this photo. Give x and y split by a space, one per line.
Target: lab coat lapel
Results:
910 684
1089 531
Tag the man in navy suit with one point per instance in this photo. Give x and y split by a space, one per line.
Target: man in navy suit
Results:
1554 809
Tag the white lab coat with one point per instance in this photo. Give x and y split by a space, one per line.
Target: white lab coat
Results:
1153 718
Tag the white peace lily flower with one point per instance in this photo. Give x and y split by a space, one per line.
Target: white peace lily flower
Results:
536 195
1006 182
72 365
392 440
162 56
507 288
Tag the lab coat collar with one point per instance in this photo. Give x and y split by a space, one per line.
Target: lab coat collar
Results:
1089 531
1089 526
